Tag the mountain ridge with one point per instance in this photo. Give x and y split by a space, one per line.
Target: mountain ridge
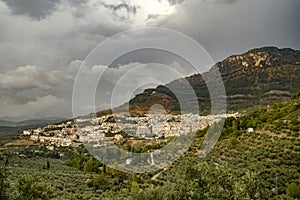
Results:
8 126
260 76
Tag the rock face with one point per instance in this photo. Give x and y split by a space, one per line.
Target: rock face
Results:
263 58
258 77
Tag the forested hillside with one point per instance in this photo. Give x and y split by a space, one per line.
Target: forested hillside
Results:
258 77
257 157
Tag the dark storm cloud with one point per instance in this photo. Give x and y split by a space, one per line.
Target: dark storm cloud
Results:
121 6
226 1
232 27
173 2
37 70
36 9
153 17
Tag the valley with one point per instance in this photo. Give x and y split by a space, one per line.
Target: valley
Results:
256 157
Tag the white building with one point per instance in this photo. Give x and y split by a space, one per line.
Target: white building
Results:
250 130
27 132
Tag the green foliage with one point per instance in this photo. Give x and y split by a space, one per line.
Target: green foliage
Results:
31 188
8 135
48 164
100 182
281 118
194 179
296 96
293 190
233 141
4 185
91 165
251 186
235 125
242 165
151 193
82 160
135 186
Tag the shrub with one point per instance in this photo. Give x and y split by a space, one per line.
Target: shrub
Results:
293 190
100 182
31 188
233 141
4 186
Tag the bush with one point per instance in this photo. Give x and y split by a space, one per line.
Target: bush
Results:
233 141
100 182
91 166
31 188
4 186
293 190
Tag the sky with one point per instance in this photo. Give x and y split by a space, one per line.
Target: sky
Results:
44 42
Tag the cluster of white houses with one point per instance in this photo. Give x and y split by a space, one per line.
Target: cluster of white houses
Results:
63 134
106 129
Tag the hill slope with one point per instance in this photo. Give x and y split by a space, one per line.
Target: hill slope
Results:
9 126
270 154
258 77
262 164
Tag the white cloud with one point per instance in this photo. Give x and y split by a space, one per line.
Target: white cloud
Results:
28 77
26 83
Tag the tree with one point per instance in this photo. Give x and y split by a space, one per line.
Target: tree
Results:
31 188
48 164
101 182
236 133
293 190
104 169
135 187
91 166
149 194
4 185
235 125
250 186
233 141
296 96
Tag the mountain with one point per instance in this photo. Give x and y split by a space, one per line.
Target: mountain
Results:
260 76
7 123
40 122
7 126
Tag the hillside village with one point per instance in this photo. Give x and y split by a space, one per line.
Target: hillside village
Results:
108 129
